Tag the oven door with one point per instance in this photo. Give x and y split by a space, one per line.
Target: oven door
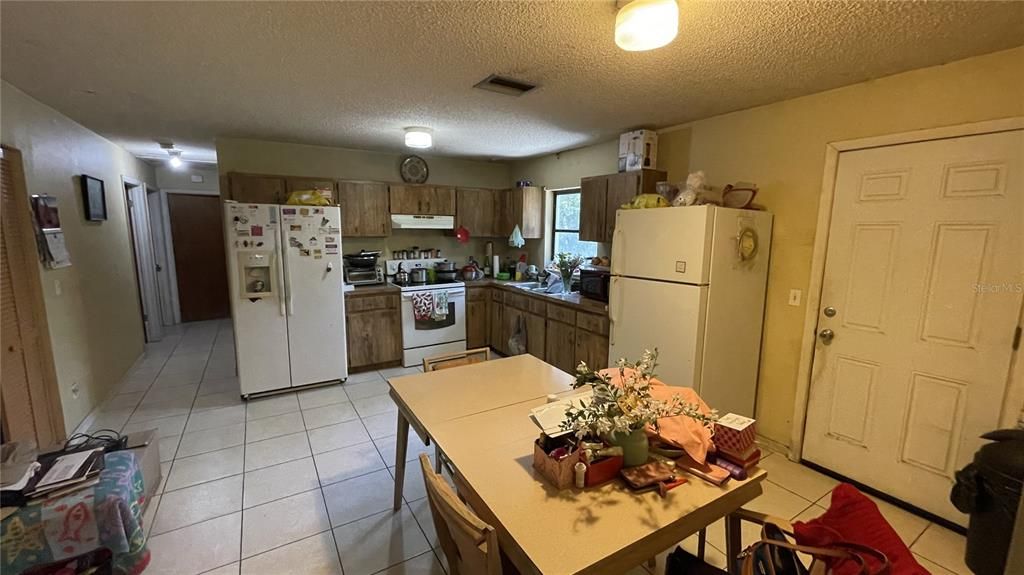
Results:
423 332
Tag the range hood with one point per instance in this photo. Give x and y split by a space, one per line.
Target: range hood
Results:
411 222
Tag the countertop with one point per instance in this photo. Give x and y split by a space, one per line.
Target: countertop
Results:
573 299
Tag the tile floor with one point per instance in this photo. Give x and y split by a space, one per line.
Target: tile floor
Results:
302 482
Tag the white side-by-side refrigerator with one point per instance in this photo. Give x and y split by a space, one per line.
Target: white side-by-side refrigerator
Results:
690 281
287 302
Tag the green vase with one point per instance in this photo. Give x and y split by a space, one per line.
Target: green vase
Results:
634 447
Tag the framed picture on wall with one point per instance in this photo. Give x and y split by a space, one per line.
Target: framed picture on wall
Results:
94 198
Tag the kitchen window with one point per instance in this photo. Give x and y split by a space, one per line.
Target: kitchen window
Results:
565 233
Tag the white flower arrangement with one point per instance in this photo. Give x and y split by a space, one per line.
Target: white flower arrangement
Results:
627 408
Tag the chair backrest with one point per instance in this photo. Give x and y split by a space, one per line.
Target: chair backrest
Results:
470 545
456 359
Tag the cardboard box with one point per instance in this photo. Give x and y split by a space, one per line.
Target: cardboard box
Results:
638 150
734 433
560 473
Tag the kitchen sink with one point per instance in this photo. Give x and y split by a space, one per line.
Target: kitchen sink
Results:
531 286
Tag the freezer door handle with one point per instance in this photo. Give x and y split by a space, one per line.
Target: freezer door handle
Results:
287 271
618 244
613 310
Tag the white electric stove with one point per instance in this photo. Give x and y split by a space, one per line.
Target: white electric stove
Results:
435 334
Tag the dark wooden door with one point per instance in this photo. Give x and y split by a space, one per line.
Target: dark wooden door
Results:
197 232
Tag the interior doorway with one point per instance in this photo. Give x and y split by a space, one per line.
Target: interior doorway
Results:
917 313
31 407
199 257
145 258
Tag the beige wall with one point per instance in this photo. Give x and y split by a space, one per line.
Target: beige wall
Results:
95 324
257 156
781 147
169 179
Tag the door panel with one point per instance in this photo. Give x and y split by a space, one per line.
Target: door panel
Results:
145 261
636 325
923 271
198 239
315 304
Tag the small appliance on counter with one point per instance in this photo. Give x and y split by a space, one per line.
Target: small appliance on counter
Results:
362 268
594 282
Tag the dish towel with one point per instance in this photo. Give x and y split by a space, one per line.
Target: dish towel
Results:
423 305
440 306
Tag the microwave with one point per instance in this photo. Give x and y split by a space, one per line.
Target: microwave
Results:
594 282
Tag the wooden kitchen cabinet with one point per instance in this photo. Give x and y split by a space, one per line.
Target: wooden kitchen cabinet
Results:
293 184
523 207
602 196
373 324
422 200
591 348
536 334
256 188
560 345
593 204
497 324
364 209
479 211
477 317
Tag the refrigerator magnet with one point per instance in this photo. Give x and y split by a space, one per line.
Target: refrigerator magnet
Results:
296 227
256 231
288 211
303 252
303 211
330 239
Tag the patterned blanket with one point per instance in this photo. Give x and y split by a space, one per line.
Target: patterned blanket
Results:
107 515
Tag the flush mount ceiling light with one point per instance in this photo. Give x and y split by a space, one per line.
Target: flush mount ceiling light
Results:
175 161
419 138
646 24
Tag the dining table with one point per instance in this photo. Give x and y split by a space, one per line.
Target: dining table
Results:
478 416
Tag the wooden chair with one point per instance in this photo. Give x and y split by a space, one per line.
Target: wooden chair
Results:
449 360
470 545
456 359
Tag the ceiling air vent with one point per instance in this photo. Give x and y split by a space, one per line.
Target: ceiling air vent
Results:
504 85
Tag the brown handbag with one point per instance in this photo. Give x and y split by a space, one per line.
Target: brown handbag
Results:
839 550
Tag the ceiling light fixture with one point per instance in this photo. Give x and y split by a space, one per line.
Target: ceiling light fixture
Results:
175 161
646 24
419 138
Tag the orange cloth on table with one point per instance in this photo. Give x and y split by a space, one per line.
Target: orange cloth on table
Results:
681 431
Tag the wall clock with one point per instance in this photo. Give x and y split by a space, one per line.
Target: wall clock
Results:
414 170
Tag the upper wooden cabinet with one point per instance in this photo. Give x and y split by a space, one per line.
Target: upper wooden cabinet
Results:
593 204
364 209
256 188
293 184
422 200
523 207
479 211
602 196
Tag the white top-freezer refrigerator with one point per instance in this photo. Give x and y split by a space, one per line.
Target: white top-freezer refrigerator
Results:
690 281
287 302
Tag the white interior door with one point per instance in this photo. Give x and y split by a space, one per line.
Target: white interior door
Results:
316 304
649 314
924 271
145 260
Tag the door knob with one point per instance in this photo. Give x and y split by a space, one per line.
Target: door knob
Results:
829 311
826 336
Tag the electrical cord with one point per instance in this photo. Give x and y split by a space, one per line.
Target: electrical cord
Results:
106 439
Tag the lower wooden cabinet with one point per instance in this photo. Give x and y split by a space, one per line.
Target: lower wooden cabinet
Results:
557 334
560 345
592 348
374 330
477 320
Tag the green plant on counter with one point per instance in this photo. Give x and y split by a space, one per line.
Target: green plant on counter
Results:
624 409
567 263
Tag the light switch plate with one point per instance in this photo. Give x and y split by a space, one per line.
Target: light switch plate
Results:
58 289
681 267
794 297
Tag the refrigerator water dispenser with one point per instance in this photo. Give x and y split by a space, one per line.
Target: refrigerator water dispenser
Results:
257 275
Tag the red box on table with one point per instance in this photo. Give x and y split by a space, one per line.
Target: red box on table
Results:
734 433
